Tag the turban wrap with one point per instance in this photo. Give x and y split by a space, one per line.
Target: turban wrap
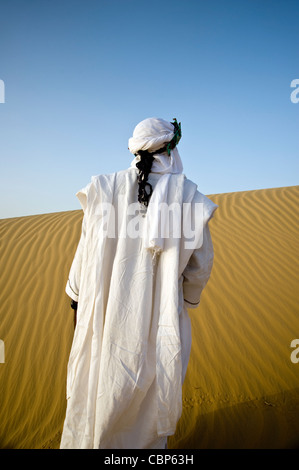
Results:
152 134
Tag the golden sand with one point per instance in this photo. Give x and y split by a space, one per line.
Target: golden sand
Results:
241 388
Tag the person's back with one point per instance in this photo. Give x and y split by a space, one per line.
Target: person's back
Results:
144 256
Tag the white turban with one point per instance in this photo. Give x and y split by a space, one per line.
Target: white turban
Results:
152 134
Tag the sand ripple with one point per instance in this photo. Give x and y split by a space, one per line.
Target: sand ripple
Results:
241 389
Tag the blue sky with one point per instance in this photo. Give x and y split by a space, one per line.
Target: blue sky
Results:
79 75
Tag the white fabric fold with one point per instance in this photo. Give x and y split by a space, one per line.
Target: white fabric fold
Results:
155 226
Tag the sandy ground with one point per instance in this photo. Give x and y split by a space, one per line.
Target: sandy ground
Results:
241 388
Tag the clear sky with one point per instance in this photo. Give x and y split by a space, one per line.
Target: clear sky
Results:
77 76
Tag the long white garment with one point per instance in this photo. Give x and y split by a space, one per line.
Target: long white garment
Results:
132 340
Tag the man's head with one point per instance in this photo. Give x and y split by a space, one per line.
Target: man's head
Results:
155 135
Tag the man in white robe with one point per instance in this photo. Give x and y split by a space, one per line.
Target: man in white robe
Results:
133 283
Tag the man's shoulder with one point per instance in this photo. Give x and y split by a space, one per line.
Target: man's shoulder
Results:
110 176
198 197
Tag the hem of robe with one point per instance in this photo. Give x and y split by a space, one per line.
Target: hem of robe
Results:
190 304
70 292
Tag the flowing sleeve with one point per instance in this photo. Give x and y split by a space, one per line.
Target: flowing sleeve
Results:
198 269
73 282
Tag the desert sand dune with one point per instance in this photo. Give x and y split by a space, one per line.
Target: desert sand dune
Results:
241 388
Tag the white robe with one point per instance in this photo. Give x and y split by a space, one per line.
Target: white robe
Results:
132 341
